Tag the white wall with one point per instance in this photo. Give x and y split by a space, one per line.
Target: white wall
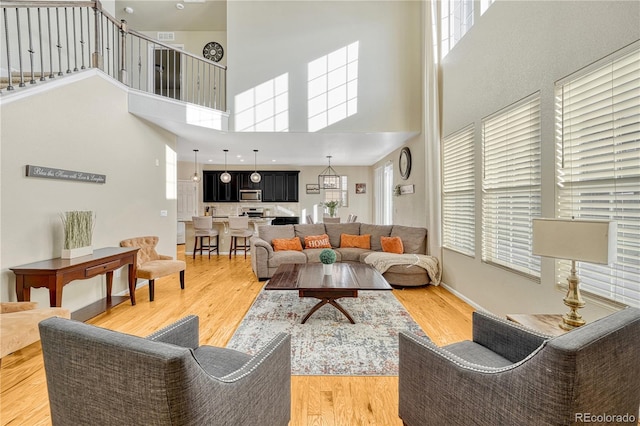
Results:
269 38
84 126
513 50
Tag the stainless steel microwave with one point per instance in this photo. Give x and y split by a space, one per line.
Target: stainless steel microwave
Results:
251 195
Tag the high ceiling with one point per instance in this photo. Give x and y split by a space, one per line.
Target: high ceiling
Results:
300 149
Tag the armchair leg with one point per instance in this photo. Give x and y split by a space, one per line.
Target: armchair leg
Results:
195 248
151 289
182 279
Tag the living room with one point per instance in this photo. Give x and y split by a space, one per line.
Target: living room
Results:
513 50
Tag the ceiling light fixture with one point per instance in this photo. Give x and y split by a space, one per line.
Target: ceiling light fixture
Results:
255 176
128 9
196 176
329 178
225 177
179 6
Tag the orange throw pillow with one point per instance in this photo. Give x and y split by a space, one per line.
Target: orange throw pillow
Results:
392 245
317 241
355 241
281 244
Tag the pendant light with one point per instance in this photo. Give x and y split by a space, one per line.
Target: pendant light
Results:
329 178
225 177
255 176
196 176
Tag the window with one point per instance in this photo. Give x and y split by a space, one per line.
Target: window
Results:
341 195
484 5
511 185
456 20
383 194
458 199
598 167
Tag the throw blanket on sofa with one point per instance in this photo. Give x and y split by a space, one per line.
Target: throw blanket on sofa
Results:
383 261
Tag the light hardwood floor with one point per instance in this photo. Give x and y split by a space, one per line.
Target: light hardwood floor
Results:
220 291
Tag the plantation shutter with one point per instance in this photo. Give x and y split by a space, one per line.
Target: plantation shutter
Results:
598 170
458 199
511 185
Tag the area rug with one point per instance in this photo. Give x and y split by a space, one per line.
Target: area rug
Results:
328 344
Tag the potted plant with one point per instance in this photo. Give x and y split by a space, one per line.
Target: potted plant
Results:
328 258
332 206
78 233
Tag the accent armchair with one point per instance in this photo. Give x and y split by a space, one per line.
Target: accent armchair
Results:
152 265
510 375
101 377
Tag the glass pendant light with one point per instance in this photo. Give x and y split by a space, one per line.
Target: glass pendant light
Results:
225 177
196 176
255 176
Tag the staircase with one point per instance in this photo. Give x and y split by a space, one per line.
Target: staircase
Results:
42 41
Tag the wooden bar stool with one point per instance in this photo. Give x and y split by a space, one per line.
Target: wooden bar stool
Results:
203 228
239 228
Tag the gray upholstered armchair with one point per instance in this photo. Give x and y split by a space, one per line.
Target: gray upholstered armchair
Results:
102 377
509 375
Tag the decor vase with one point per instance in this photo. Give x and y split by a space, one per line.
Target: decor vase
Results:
76 252
327 268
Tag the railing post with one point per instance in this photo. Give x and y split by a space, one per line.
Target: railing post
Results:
123 52
6 29
96 56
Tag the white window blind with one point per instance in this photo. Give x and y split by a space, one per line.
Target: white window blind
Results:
598 168
458 199
511 185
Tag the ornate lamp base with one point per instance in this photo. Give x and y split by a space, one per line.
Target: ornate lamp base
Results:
573 300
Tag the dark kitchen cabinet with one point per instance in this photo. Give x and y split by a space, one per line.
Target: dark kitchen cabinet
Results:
214 190
276 186
280 186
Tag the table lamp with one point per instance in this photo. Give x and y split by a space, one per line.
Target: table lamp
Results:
576 240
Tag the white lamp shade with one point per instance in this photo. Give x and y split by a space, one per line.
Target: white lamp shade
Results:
591 241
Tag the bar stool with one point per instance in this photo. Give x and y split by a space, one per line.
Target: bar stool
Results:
239 228
203 228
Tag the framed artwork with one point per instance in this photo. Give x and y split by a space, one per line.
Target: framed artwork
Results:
313 188
361 188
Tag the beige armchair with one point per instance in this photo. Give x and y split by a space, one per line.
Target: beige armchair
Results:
152 265
19 324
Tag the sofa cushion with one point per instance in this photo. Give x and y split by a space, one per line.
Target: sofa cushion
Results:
270 232
355 241
282 244
392 245
413 238
352 254
376 231
307 230
335 230
317 241
313 255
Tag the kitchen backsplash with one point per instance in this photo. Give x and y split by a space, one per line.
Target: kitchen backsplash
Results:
270 209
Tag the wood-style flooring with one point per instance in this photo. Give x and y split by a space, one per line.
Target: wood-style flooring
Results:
220 291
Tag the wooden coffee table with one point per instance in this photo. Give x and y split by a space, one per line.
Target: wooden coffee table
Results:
310 281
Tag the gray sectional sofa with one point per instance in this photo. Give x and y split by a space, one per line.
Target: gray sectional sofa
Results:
265 260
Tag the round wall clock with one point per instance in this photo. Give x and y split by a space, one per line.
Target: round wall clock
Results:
213 51
405 163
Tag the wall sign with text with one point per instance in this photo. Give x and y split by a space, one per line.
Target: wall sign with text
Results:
61 174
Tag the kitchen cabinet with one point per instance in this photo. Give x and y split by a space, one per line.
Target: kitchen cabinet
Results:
276 186
280 186
214 190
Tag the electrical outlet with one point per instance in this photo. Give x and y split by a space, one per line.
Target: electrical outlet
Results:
163 213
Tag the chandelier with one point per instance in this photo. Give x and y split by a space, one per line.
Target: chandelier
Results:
225 177
329 178
196 176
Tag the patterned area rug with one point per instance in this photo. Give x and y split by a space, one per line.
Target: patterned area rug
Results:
328 344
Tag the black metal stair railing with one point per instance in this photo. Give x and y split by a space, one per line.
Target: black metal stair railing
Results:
43 40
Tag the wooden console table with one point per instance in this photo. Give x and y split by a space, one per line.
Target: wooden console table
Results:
56 273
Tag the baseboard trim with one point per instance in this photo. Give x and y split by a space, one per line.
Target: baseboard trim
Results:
463 297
